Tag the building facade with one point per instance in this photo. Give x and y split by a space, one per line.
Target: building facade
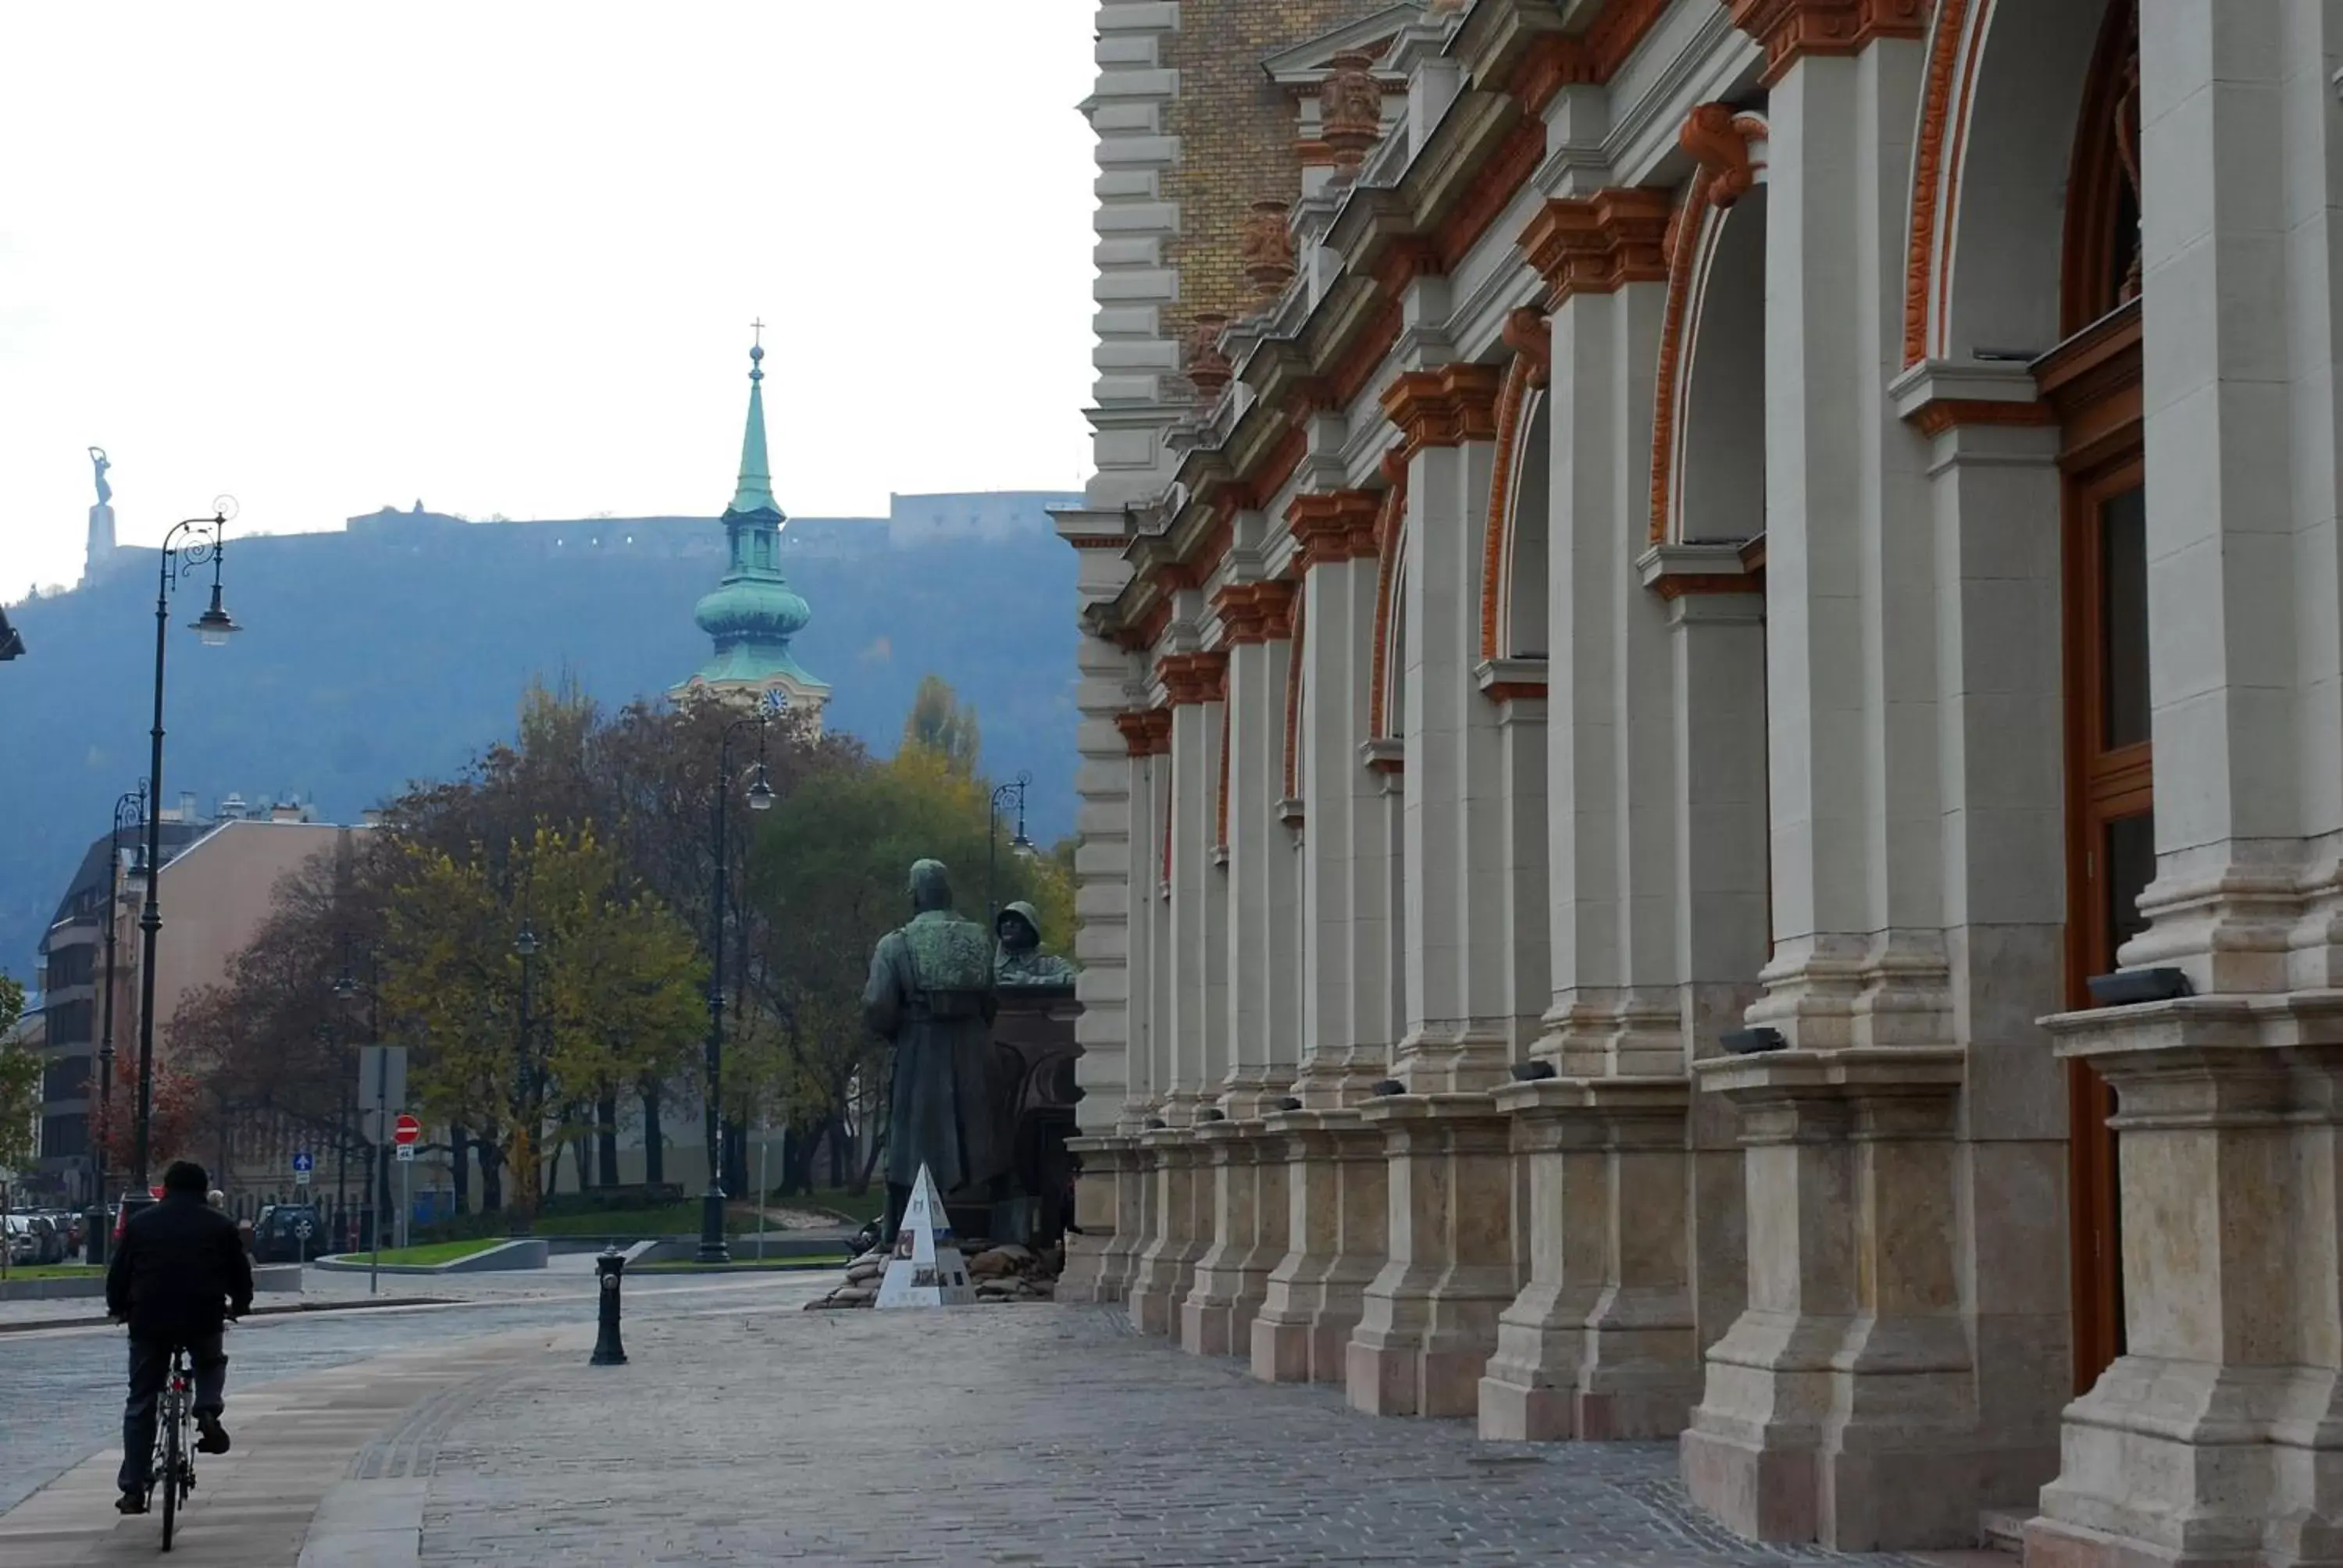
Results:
1712 781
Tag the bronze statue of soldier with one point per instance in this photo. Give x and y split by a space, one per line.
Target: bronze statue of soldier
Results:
931 993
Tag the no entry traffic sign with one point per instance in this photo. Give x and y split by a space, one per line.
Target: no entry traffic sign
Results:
405 1130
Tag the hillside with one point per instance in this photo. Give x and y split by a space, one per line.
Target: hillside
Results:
372 659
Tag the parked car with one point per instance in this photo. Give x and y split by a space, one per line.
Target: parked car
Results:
29 1237
287 1233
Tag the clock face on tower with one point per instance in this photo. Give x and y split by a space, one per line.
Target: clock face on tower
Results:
776 701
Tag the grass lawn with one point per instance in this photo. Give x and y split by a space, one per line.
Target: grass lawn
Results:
856 1206
54 1271
673 1220
740 1264
430 1252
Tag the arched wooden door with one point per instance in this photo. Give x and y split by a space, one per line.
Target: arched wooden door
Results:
2092 380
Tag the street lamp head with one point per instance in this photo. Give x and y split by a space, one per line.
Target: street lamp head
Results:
345 985
215 625
525 944
1022 847
760 791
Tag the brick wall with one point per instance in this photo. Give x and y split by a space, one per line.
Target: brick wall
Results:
1236 132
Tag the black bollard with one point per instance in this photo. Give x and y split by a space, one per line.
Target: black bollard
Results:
609 1269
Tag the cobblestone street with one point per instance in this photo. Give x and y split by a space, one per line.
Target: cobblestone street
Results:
745 1430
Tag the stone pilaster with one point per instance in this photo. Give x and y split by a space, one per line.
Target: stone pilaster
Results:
1459 1019
1347 918
1196 683
1600 1343
1428 1319
1264 1023
1098 1248
1337 1217
1165 1273
1209 1315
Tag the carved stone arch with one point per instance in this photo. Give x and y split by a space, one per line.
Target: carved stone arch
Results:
1512 557
1390 543
2003 84
1725 198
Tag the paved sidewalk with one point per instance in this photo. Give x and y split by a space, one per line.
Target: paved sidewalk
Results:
1035 1435
746 1430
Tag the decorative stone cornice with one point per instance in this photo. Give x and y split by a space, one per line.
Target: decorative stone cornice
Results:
1274 598
1791 30
1942 413
1595 244
1445 407
1337 526
1193 677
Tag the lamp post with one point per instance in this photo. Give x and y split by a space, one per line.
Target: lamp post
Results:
524 1138
1021 845
188 544
129 808
712 1246
345 985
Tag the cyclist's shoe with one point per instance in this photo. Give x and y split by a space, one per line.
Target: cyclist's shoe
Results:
131 1502
214 1436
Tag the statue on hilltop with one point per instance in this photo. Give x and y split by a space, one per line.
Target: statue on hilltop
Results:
101 463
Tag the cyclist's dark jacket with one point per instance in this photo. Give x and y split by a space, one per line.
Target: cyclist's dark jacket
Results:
178 1266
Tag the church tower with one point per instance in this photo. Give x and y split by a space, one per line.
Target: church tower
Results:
754 612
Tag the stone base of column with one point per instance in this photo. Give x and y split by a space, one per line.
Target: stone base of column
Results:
1216 1315
1164 1273
1335 1227
1842 1406
2216 1440
1429 1318
1097 1250
1601 1342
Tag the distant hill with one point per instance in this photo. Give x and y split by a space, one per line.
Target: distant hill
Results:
397 649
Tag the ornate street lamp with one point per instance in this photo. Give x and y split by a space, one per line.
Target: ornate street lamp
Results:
129 810
189 544
713 1249
1019 846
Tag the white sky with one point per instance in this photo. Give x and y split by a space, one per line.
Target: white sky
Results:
501 255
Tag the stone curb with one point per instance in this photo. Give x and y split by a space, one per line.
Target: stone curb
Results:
364 1304
530 1253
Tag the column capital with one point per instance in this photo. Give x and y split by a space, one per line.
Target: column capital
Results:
1597 244
1146 731
1193 677
1336 525
1791 30
1255 612
1445 407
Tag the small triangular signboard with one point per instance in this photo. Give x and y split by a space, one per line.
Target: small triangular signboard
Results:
926 1269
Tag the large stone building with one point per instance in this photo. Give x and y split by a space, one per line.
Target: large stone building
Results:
1712 767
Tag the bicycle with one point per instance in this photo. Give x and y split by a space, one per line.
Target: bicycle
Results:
173 1466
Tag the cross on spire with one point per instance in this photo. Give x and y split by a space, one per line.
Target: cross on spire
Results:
759 326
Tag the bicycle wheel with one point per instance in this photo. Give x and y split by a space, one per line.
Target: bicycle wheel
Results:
173 1457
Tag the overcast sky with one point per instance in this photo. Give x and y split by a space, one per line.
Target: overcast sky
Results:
502 257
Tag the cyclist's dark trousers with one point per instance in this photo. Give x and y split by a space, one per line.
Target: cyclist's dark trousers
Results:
150 1366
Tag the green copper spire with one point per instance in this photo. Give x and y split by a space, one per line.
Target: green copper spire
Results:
753 613
755 493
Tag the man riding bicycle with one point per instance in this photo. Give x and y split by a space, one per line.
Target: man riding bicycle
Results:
178 1273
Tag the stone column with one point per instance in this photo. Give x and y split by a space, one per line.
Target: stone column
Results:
1842 1406
2217 1436
1717 621
1263 1014
1583 1348
1334 1176
1165 1271
1430 1317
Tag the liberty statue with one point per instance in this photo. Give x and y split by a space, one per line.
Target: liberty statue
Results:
101 463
